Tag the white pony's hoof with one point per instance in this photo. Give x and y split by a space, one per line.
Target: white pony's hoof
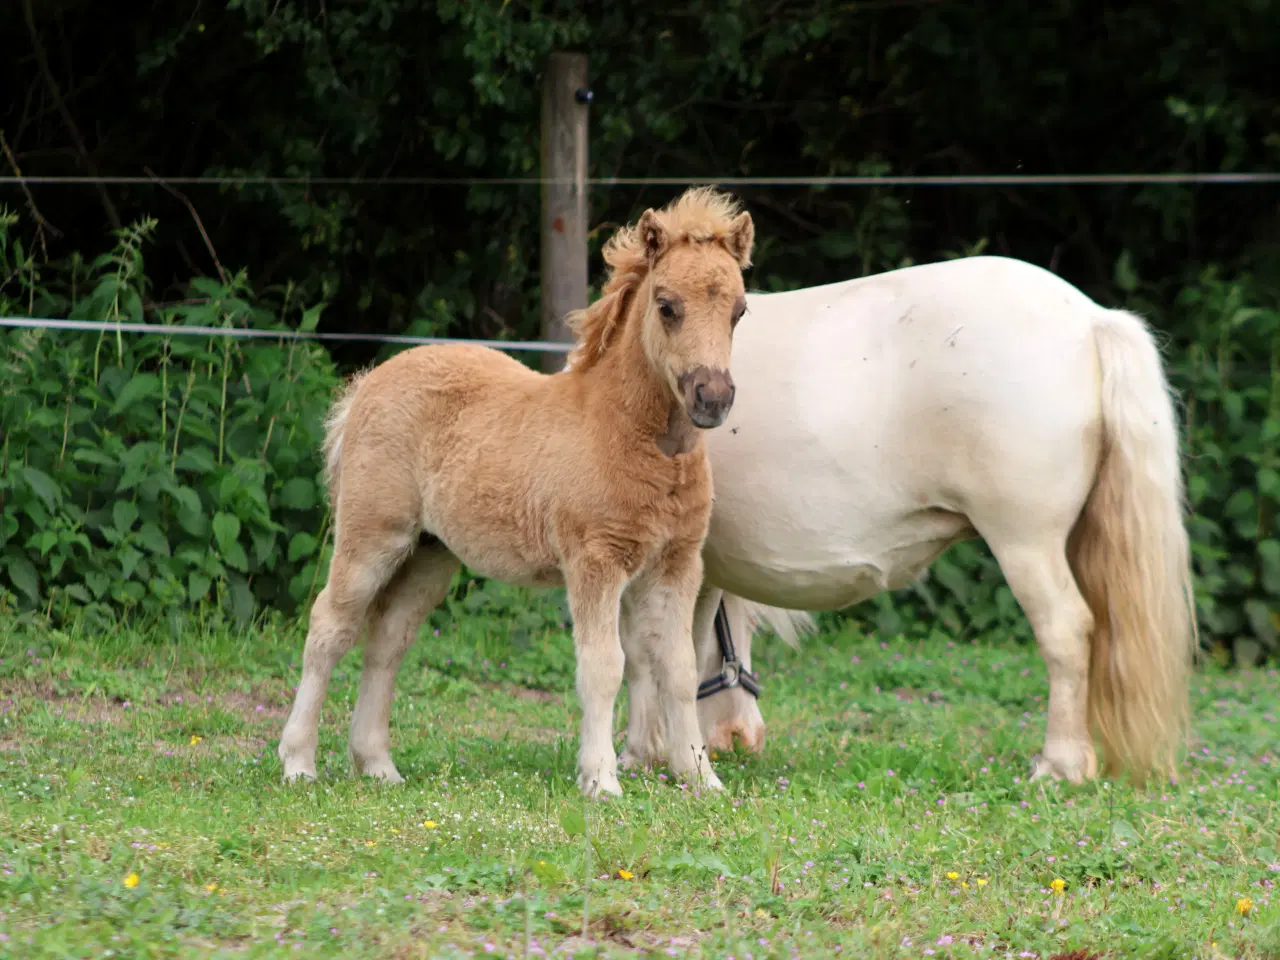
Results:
299 775
599 783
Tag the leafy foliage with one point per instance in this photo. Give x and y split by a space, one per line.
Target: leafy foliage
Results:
155 473
1230 378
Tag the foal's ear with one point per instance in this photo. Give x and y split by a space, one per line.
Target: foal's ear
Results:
652 234
740 238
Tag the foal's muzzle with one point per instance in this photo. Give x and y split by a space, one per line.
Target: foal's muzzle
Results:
708 395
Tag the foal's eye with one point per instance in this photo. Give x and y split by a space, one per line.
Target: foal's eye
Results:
671 310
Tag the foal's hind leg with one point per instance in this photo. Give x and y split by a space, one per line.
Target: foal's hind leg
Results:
356 574
1042 581
646 728
644 718
395 618
662 618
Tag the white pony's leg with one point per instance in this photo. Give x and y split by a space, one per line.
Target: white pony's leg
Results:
1041 580
663 618
595 595
397 614
336 618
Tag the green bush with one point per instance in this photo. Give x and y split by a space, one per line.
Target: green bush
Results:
1228 372
147 474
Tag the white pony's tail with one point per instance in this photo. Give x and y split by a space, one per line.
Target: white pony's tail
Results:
790 625
1131 558
335 425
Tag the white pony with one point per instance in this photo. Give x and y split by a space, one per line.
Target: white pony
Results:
883 419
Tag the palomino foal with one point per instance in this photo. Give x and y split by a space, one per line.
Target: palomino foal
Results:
594 478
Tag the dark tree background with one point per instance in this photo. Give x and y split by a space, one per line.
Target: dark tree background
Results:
701 89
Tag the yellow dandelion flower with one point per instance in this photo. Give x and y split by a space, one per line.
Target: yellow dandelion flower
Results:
394 830
625 874
430 824
195 738
371 843
1058 885
211 887
953 875
982 881
1243 906
131 881
964 884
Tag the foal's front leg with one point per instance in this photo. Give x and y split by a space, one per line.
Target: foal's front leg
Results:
595 591
661 634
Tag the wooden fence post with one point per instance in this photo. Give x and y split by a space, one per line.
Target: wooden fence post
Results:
565 97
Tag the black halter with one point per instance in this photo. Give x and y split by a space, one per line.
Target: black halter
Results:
732 672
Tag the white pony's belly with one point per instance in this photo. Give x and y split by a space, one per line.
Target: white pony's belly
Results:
803 589
776 557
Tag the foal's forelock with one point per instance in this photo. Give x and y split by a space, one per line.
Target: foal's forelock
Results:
668 249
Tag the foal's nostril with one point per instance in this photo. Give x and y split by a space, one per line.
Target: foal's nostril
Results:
697 393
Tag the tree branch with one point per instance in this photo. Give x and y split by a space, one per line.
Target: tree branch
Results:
761 199
41 223
222 274
42 59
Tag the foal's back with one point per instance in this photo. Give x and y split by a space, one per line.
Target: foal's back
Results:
465 444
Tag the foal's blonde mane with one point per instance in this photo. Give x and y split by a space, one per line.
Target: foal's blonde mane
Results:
699 215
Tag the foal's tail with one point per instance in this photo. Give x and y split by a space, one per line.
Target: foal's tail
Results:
1130 555
335 425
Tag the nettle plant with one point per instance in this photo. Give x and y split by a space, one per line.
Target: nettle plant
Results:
146 473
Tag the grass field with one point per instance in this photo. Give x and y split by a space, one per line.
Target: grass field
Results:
142 813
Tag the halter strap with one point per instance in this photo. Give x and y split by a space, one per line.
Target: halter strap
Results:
732 672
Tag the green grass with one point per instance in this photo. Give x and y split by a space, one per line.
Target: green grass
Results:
890 814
